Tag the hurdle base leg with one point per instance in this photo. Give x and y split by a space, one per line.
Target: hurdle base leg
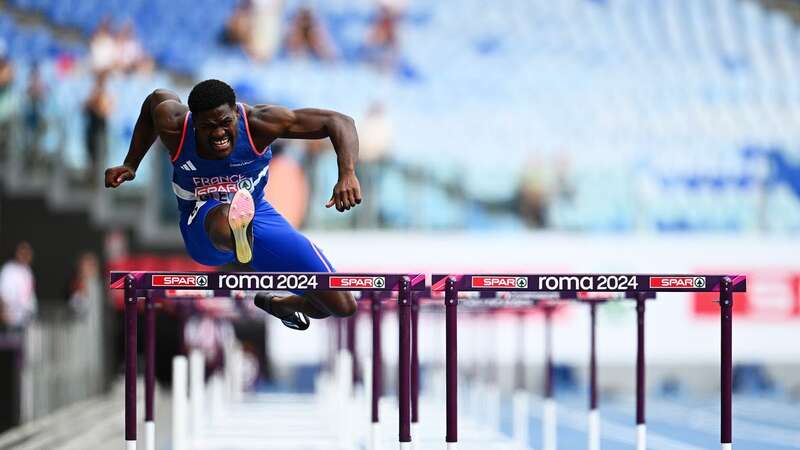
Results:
180 382
641 437
375 435
727 446
130 445
594 429
414 428
549 425
521 411
405 446
452 445
149 435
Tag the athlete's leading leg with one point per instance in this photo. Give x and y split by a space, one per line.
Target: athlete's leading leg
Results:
221 224
229 226
317 304
280 248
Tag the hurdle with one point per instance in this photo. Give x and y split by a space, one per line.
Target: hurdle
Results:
641 427
593 299
521 304
634 286
138 284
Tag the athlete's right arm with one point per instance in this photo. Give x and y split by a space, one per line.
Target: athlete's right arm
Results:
161 116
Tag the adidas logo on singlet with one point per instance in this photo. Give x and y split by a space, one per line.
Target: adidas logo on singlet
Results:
188 166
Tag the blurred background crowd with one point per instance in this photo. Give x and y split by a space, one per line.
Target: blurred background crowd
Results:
595 116
575 115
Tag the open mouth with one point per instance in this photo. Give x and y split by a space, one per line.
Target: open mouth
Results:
221 144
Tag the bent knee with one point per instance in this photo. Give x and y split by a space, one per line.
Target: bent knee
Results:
217 228
343 305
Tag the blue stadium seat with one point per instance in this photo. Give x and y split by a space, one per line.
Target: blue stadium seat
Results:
752 379
565 378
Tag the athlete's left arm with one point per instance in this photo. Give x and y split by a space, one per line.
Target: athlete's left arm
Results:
272 122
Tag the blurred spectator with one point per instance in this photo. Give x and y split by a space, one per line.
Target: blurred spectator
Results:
312 150
287 190
255 26
204 334
398 6
80 284
237 28
103 50
541 184
97 109
265 34
115 246
34 117
381 48
17 289
6 97
131 57
375 142
533 200
307 36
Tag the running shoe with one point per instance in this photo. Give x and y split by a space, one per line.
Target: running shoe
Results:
240 216
294 320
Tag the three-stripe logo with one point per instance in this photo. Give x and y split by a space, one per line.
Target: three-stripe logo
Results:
188 166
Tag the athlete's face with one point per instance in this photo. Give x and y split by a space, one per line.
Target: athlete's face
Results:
217 130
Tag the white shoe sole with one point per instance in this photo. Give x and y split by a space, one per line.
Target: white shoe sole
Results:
240 214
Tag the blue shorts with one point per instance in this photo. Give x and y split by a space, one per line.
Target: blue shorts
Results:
277 246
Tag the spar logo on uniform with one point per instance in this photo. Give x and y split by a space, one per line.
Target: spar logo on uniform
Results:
357 282
177 280
677 282
245 184
499 282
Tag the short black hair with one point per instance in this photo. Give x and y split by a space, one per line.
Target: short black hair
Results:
209 94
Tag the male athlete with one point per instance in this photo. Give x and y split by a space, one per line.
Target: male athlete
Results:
220 152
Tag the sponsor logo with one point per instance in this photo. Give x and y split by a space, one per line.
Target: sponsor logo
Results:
221 187
499 282
247 282
188 293
357 282
566 283
251 281
245 184
215 190
175 280
188 166
677 282
598 295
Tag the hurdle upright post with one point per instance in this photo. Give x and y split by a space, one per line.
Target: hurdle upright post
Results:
377 369
131 312
414 365
404 365
726 351
641 430
351 326
549 434
149 371
594 416
451 361
520 400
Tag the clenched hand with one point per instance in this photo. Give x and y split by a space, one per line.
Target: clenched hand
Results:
346 193
118 175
